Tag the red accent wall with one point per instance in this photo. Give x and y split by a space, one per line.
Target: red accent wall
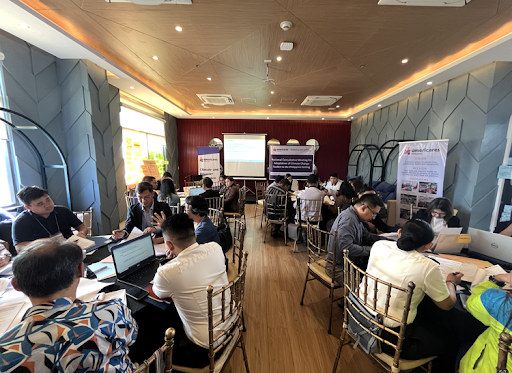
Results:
334 139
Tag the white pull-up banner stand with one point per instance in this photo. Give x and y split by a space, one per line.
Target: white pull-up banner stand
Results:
297 160
420 176
208 162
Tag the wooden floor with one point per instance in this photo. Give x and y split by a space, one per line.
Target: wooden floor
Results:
283 336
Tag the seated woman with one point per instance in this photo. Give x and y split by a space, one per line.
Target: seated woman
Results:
167 190
196 208
231 195
493 307
400 263
439 214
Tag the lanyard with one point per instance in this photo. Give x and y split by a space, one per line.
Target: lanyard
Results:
47 231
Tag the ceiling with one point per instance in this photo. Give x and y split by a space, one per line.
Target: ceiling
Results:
349 48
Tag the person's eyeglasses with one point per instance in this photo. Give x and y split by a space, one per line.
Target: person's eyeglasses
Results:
439 215
147 198
374 214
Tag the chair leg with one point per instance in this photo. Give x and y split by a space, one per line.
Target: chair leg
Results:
330 315
261 224
304 291
242 343
265 237
342 339
295 247
285 231
244 329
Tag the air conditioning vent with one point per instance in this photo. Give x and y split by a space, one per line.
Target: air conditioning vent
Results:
219 100
320 100
288 100
152 2
331 108
444 3
248 100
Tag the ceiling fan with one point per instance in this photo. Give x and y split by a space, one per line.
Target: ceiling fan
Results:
268 80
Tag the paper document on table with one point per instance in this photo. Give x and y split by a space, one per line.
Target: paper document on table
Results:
448 266
136 232
4 282
87 286
108 259
392 236
84 243
483 274
9 313
119 294
447 241
103 270
6 270
160 249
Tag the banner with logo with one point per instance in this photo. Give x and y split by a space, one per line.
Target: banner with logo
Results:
208 162
297 161
420 176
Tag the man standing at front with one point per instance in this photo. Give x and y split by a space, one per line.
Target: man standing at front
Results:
60 333
42 219
352 235
185 279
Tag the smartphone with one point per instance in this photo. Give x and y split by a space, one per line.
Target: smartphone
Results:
137 293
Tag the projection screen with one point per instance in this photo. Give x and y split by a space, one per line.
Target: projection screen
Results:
244 155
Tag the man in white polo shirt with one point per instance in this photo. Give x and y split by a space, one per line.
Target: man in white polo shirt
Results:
184 279
311 200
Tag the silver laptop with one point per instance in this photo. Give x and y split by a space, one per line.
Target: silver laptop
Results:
491 244
196 191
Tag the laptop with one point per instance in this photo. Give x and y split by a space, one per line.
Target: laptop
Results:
135 261
196 191
491 244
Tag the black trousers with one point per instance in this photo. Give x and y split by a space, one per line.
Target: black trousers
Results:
435 332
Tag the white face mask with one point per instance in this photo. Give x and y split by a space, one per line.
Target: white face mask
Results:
437 224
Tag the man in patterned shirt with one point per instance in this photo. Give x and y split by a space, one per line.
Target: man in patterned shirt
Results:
61 333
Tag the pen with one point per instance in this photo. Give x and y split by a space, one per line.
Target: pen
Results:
101 269
434 260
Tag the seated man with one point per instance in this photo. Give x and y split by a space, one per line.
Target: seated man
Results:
281 188
141 214
42 219
311 201
352 235
185 279
196 208
208 191
5 255
376 225
60 333
333 185
156 185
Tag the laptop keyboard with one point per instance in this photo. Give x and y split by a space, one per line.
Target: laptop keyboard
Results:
146 272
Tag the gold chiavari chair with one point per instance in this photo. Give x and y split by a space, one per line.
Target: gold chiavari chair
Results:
504 343
241 206
162 358
363 313
318 262
261 188
231 301
130 198
198 183
216 216
238 250
308 211
275 212
215 202
86 218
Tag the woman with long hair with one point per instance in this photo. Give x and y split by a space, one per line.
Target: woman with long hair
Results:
167 190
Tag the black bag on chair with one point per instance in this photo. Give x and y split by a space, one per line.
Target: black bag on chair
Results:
226 239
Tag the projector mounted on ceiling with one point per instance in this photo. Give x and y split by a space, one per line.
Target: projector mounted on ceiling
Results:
152 2
450 3
320 100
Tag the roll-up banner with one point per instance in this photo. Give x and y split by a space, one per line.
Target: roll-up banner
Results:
297 161
208 162
420 176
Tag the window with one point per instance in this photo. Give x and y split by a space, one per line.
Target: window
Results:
143 139
7 184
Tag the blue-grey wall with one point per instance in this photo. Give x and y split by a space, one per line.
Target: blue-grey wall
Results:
472 111
73 101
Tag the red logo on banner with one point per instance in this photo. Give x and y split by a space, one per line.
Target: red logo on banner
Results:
200 159
407 151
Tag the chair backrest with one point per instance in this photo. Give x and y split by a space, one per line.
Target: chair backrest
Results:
175 209
238 241
318 242
309 210
275 208
216 216
130 198
356 284
215 202
86 218
241 200
261 188
194 183
231 305
503 351
162 357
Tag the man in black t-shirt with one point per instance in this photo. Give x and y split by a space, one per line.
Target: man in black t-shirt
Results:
42 218
208 191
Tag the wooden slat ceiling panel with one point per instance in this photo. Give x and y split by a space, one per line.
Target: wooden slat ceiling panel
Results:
351 48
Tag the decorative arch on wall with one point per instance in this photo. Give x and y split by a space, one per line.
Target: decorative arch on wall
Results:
358 154
42 165
391 146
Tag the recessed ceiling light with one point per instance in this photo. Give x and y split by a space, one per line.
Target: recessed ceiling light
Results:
209 78
22 25
337 106
361 66
202 104
271 92
162 104
379 105
351 117
178 28
429 83
279 58
180 115
132 87
269 104
405 60
155 58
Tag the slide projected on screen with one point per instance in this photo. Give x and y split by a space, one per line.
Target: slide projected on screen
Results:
244 155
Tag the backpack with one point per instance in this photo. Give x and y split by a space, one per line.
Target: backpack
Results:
365 340
226 239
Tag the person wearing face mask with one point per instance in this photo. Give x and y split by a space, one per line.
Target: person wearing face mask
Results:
439 214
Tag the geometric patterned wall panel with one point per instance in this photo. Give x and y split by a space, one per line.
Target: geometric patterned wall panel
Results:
472 111
171 141
117 147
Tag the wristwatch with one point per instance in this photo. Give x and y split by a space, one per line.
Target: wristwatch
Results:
496 282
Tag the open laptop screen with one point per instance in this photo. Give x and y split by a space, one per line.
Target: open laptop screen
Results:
133 254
